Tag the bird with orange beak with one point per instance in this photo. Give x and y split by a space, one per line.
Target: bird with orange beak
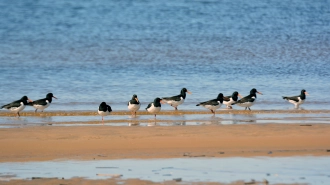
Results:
134 104
177 100
18 105
297 100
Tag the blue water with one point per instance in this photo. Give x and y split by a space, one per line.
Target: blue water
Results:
91 51
276 170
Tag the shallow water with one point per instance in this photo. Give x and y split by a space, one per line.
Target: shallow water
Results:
95 51
166 120
310 170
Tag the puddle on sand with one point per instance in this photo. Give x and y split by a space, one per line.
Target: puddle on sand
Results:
308 169
164 120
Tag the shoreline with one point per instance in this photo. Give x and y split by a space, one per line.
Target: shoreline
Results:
6 113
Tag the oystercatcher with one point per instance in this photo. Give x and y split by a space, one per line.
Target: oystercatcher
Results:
249 100
134 105
154 107
297 100
229 100
104 110
18 105
213 104
42 104
177 100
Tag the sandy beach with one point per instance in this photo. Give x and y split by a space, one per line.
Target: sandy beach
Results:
102 142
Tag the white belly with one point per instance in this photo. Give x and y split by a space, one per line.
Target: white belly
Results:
41 107
153 109
134 107
228 103
103 113
17 109
297 103
174 103
212 107
246 104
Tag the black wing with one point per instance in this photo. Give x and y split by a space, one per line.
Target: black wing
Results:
294 98
246 99
213 102
39 102
149 105
175 98
12 104
134 102
226 98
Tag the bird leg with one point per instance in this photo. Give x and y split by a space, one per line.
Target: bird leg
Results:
36 110
18 114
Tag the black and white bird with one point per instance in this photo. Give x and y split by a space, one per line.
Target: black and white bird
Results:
154 107
177 100
249 100
297 100
18 105
134 104
42 104
213 104
229 100
104 110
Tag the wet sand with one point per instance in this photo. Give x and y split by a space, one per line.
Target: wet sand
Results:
106 142
53 181
101 142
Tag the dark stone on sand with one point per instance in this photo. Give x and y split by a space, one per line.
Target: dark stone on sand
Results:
177 179
34 178
221 152
270 152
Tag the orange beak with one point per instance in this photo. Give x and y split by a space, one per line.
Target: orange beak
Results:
189 92
239 95
259 93
306 93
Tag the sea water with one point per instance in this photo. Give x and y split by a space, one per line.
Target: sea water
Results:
91 51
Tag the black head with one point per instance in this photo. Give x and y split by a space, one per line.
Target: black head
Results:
220 96
303 93
183 92
134 96
157 102
49 97
235 96
25 100
254 91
